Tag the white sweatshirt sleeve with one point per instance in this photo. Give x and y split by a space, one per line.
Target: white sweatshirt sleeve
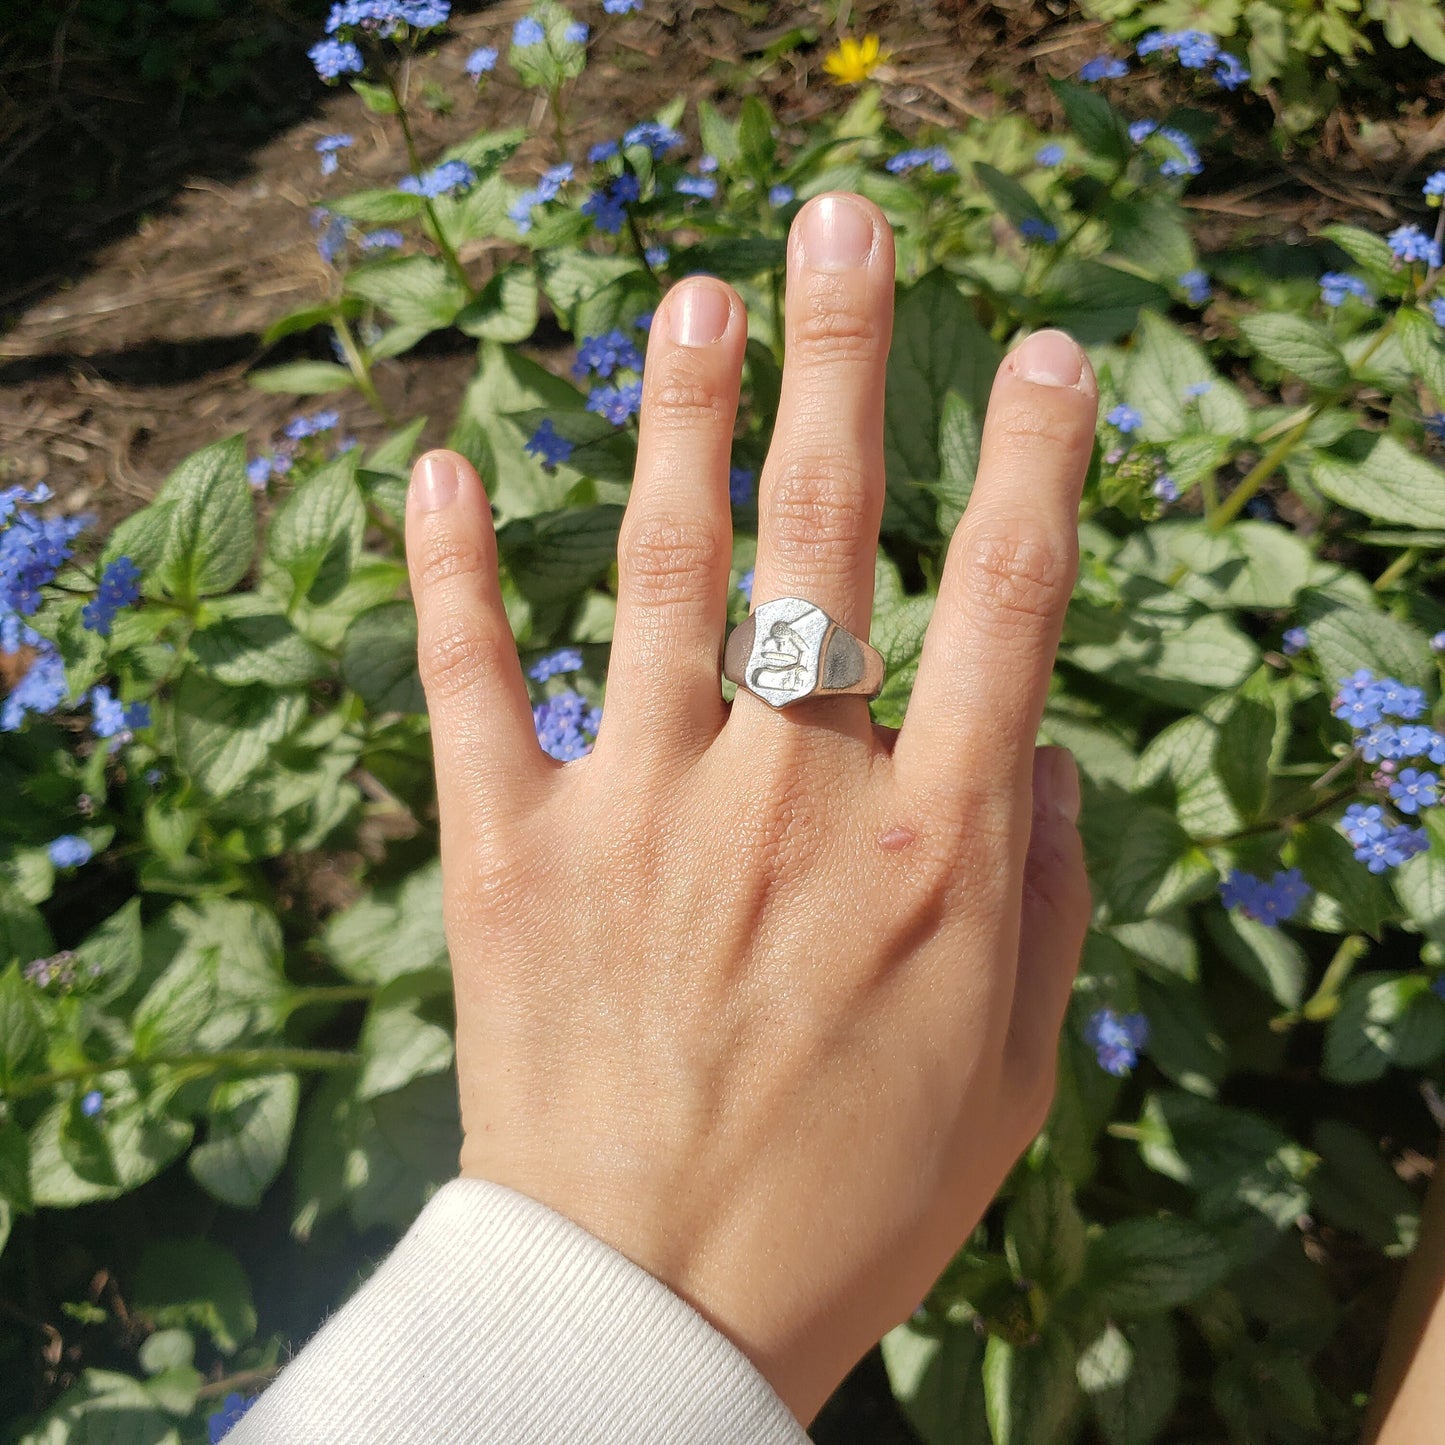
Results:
498 1320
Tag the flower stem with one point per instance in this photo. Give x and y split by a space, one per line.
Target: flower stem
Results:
262 1060
1397 569
1275 825
1258 475
438 234
359 367
1325 1001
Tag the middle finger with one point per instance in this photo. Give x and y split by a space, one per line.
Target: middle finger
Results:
820 500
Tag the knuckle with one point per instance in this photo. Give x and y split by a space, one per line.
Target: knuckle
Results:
667 560
1047 428
818 505
837 323
1015 576
454 658
440 560
682 401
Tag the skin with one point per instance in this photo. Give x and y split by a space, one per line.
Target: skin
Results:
1408 1399
769 1000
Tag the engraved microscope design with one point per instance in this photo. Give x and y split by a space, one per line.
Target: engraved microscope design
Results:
782 663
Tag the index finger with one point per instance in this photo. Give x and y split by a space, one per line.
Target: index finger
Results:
984 671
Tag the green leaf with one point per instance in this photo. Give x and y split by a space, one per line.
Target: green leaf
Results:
378 659
718 134
1327 860
22 1029
248 1135
569 277
170 1016
1182 657
1345 638
1373 255
1239 1165
413 290
1244 745
1094 123
733 258
1162 362
225 734
1183 1040
392 931
1419 338
105 1408
506 383
166 1350
305 319
394 455
142 538
1147 1266
1374 474
1355 1189
397 1043
376 98
1130 1375
378 208
505 309
1157 868
1030 1390
1151 233
757 149
14 1168
316 536
960 445
263 647
1010 197
211 530
243 939
184 1283
1268 957
129 1143
555 555
900 623
1383 1019
1420 887
1297 345
941 365
936 1378
1043 1229
380 1158
303 378
1097 303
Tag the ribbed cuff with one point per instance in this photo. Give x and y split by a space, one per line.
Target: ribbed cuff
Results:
497 1319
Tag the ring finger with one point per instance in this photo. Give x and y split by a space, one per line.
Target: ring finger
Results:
820 500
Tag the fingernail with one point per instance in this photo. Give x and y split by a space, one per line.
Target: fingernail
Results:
1056 784
836 233
1049 358
700 315
434 483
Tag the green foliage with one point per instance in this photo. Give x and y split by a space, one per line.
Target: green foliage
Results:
194 1039
1301 52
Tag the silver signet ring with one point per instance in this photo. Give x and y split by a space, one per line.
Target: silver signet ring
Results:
789 649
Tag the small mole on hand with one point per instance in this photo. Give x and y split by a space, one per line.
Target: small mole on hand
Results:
896 839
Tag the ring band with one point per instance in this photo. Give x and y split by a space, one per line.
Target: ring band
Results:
789 649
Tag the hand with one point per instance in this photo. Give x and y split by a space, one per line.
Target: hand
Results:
769 1000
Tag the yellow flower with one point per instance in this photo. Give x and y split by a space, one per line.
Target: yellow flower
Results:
855 60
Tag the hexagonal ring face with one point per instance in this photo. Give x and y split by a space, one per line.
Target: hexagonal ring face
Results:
787 650
790 648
